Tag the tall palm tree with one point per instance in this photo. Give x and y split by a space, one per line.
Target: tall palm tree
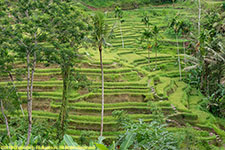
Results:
100 35
176 25
147 35
155 32
185 30
119 15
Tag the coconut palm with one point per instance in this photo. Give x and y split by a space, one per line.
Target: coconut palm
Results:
185 30
155 32
100 35
119 15
147 35
176 25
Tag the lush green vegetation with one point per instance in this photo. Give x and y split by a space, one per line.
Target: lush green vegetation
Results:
143 75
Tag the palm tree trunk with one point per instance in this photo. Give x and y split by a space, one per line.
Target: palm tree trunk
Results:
6 120
155 58
121 35
199 17
149 58
184 58
206 78
102 114
178 53
184 52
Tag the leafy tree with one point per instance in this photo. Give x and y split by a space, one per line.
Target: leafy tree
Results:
100 35
7 59
68 28
26 21
119 15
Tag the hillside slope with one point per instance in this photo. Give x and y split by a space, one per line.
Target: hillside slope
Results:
129 84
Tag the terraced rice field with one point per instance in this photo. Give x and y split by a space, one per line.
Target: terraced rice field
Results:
129 84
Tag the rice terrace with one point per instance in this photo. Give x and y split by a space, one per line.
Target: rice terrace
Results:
112 74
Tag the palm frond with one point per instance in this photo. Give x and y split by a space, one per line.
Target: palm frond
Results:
191 67
191 59
218 55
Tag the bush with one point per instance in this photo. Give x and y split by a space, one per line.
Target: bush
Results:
150 136
41 133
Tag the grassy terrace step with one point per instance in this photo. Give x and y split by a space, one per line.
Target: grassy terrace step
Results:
125 53
160 62
89 119
111 97
108 111
121 87
94 66
131 107
93 122
120 83
159 58
76 97
46 83
126 41
48 95
124 90
92 76
108 74
57 70
126 44
130 37
134 104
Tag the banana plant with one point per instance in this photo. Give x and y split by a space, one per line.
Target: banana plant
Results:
125 145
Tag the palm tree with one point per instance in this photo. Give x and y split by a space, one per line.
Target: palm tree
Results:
100 35
119 15
155 32
185 30
177 25
147 35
